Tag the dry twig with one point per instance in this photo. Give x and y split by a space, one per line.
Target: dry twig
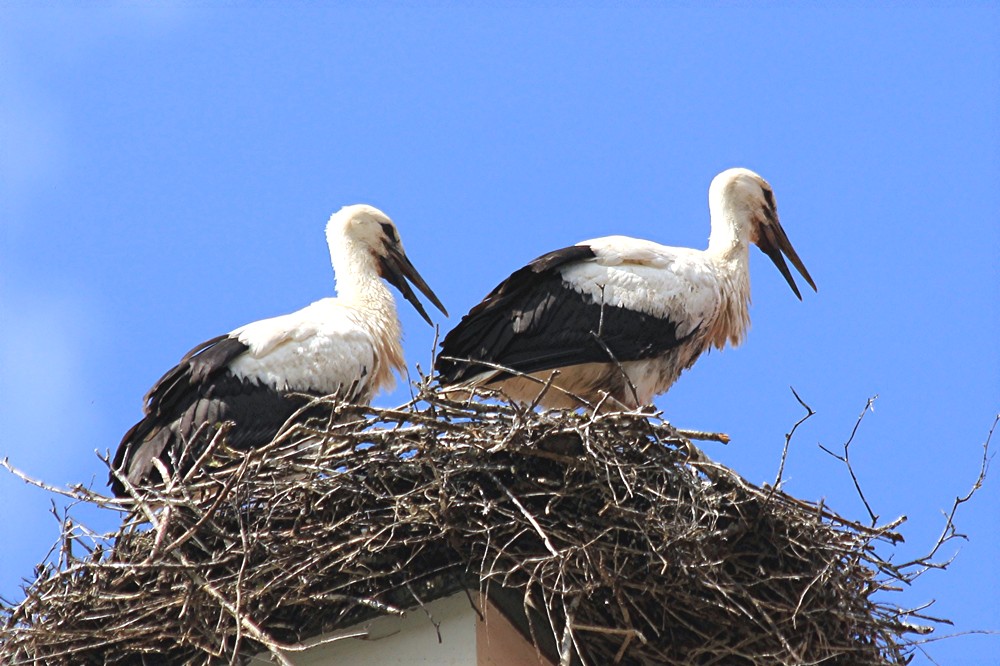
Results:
620 541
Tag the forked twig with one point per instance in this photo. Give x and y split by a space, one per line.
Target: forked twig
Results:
788 440
619 543
846 457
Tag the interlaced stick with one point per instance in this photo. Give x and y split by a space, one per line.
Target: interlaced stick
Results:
621 541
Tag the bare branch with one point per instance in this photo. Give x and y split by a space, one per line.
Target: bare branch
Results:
788 437
846 457
616 538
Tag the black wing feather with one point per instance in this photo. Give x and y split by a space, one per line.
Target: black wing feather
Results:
185 408
195 367
535 321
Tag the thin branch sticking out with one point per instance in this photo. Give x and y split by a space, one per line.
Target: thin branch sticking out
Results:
621 542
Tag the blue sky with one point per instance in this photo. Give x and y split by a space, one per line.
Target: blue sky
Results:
166 172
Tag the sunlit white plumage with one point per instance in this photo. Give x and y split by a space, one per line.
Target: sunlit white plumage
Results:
620 318
260 374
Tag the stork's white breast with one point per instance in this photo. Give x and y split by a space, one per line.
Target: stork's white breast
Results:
678 284
320 348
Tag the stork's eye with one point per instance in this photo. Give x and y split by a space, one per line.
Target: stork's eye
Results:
390 232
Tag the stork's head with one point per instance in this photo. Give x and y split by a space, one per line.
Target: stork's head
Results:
363 228
744 200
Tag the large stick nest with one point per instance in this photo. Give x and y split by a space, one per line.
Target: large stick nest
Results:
618 538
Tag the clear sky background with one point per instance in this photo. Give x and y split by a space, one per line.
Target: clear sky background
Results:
166 172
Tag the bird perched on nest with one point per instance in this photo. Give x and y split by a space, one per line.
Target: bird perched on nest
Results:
618 317
260 374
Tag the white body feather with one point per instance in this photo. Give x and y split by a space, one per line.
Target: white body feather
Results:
348 346
680 302
701 292
673 283
327 347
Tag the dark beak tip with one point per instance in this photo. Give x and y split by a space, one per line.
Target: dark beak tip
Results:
412 298
439 306
795 287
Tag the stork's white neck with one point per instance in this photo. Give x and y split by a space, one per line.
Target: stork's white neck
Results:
356 273
730 226
360 287
728 246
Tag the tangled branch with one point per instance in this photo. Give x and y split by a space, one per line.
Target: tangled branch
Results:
620 542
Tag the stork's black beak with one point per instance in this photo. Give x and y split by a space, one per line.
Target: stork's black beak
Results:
772 241
396 268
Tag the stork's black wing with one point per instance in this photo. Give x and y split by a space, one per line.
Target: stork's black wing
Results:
187 405
534 320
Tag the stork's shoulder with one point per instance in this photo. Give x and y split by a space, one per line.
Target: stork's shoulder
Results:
679 284
319 349
655 261
324 319
618 250
525 278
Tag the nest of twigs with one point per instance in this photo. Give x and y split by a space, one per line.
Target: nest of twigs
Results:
620 541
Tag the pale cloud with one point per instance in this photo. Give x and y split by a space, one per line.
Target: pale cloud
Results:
48 421
45 414
33 125
34 146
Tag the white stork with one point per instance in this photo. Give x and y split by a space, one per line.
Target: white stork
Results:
260 374
617 316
